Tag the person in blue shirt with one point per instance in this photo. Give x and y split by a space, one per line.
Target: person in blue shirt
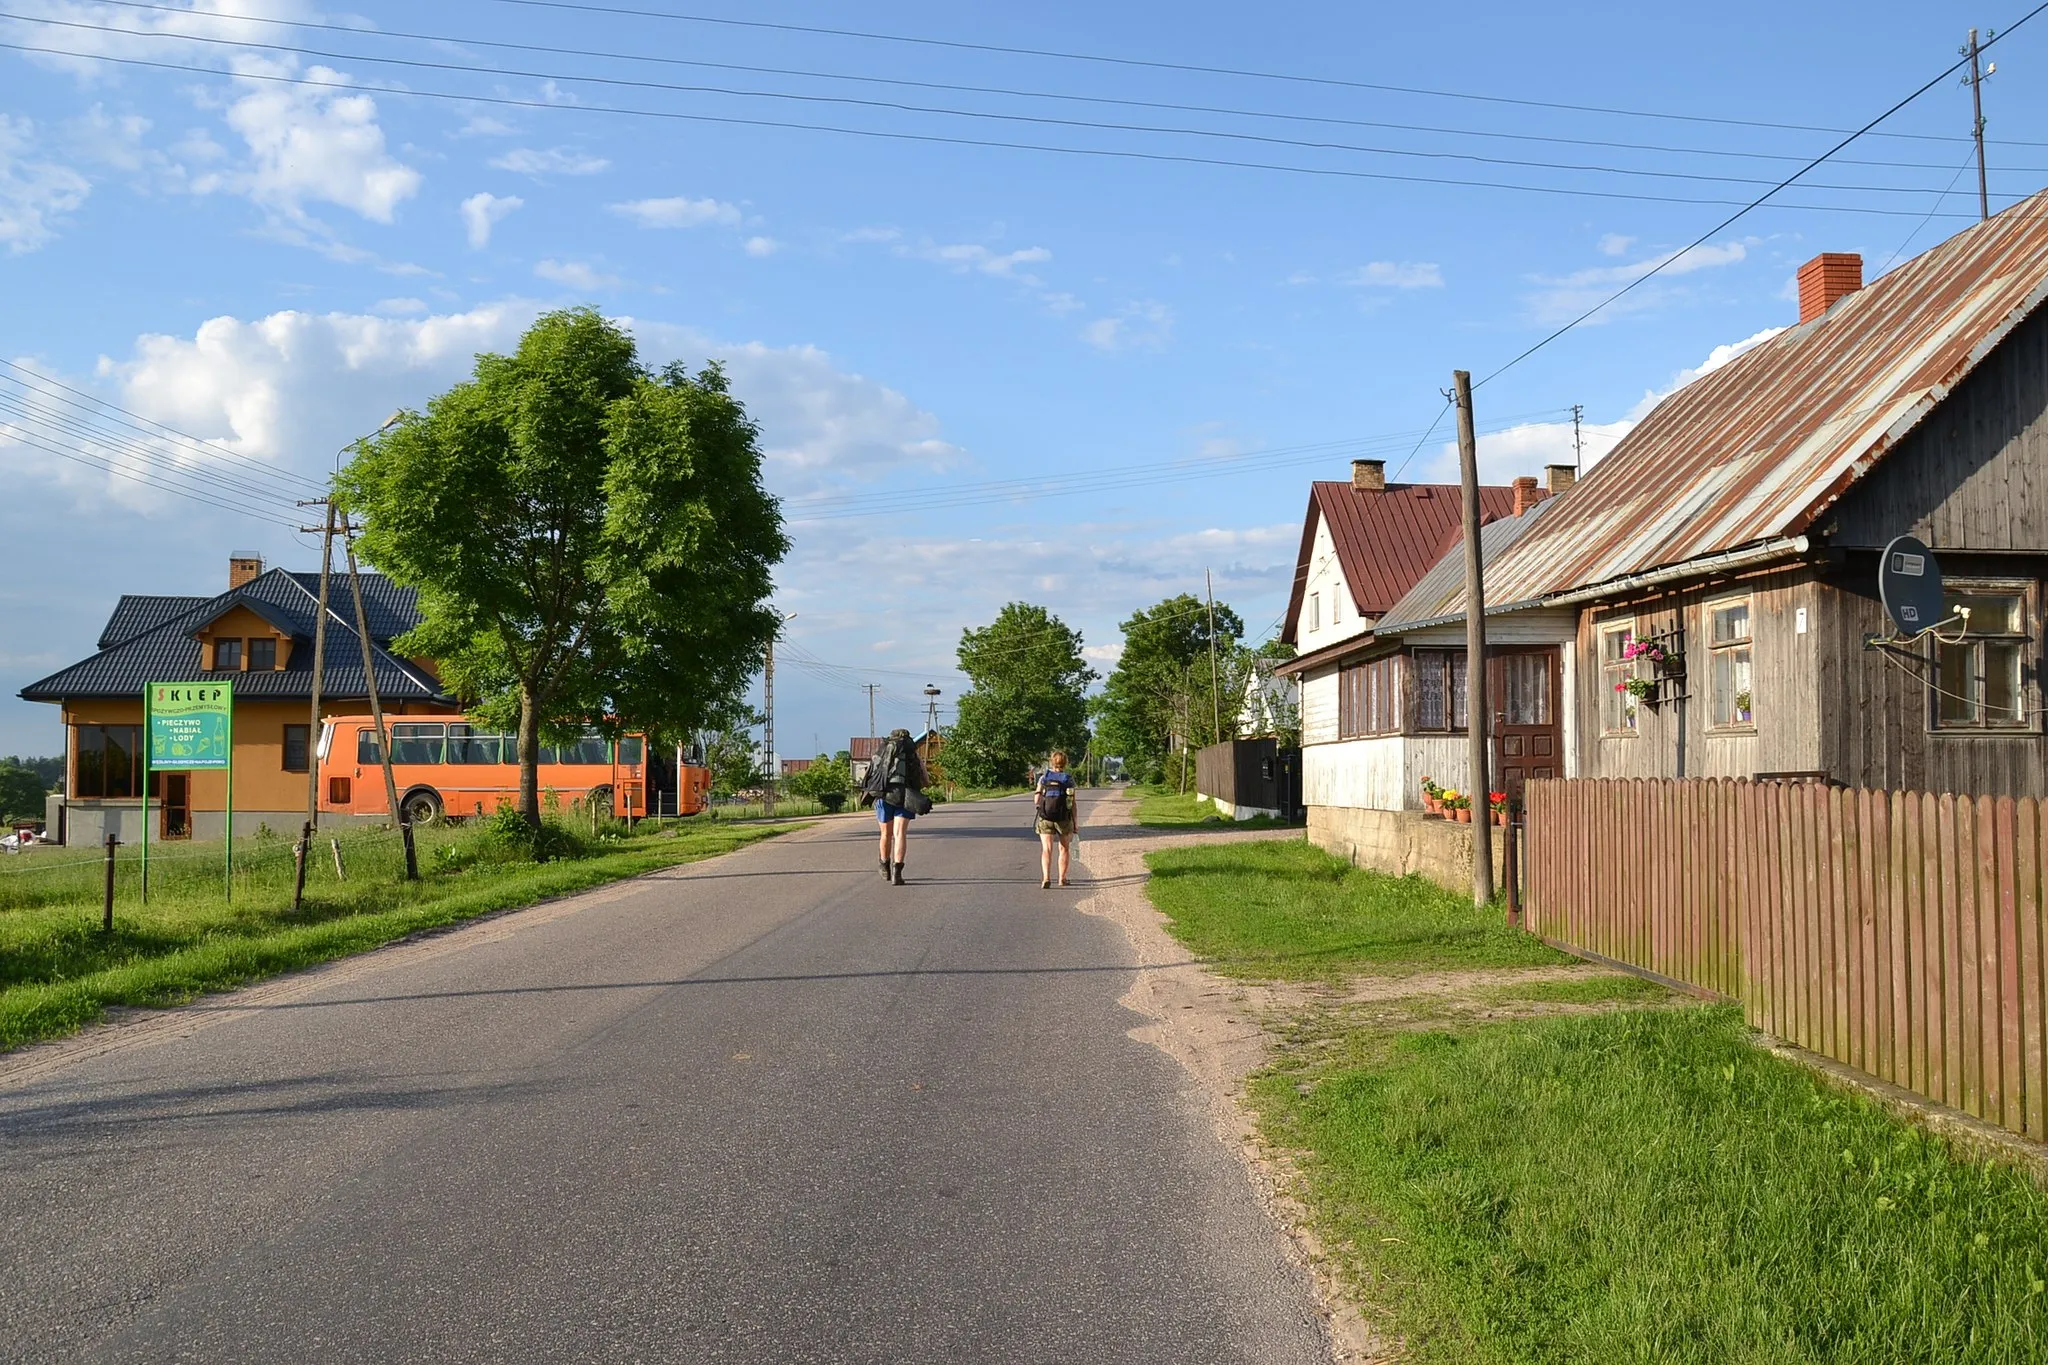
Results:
1058 814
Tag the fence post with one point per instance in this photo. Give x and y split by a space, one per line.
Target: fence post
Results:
412 857
1510 871
340 872
301 853
107 917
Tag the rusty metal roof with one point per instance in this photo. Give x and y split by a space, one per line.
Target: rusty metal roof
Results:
1438 597
1386 538
1761 447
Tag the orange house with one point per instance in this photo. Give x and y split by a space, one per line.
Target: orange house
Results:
259 634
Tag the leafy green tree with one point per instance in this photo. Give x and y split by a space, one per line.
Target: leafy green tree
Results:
824 775
731 753
22 791
589 539
1161 689
50 770
1027 697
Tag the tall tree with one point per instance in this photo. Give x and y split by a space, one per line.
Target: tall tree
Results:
22 791
1027 698
1162 687
589 539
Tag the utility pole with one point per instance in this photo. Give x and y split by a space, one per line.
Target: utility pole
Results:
1578 443
1975 80
1215 688
768 727
398 820
1476 712
326 529
871 689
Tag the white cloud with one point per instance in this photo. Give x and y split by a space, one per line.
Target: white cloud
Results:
309 145
481 212
403 307
1145 325
576 275
965 257
34 195
1722 354
552 161
761 246
1560 298
1614 244
678 212
1396 275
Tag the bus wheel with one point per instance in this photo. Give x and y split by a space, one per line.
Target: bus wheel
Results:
421 807
600 801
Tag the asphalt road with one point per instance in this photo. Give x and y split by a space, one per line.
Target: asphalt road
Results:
761 1109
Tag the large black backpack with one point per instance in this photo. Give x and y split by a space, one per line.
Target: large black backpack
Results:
1053 802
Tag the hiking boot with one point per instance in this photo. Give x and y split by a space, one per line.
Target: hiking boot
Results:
885 869
899 874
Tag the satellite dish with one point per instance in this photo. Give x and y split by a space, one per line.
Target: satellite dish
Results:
1909 582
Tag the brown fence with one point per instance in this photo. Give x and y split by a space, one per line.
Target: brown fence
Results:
1898 932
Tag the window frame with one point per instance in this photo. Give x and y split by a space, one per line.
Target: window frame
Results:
1371 698
305 764
1616 670
2027 637
221 643
1451 663
268 643
1715 649
75 787
1315 611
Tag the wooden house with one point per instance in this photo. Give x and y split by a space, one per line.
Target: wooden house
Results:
259 633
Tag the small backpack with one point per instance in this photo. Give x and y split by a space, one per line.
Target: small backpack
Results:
1053 803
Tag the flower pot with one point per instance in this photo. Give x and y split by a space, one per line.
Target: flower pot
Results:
1500 817
1465 816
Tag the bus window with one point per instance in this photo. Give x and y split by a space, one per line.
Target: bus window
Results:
326 740
417 743
366 748
632 749
467 745
590 750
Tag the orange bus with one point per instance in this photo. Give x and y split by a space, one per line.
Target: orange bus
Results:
447 767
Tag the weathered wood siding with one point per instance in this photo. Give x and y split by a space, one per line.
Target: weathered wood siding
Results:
1974 474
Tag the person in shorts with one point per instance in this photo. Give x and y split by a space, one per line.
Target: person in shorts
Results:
896 777
1055 800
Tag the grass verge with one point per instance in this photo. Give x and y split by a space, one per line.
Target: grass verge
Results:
1282 908
60 972
1171 809
1648 1186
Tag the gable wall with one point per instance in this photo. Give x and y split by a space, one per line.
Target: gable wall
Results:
1325 583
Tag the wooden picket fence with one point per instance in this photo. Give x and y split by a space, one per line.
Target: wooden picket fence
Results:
1900 933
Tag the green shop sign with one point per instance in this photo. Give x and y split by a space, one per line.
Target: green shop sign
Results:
191 725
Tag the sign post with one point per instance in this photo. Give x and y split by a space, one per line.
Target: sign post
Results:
192 729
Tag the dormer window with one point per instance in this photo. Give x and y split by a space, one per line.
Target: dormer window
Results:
262 655
227 656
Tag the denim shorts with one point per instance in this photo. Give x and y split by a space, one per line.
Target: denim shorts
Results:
884 813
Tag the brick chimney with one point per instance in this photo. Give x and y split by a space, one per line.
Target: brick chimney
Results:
1560 477
1527 494
1827 277
1369 474
243 567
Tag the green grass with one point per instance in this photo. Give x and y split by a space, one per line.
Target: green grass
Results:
60 972
1592 990
1161 806
1648 1186
1283 908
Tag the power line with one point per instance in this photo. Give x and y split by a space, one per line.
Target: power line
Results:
897 106
1016 93
1197 69
937 139
1727 222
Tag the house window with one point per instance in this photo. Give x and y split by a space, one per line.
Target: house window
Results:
1617 706
1336 607
1525 687
1369 698
107 761
262 655
227 656
295 743
1440 694
1728 665
1315 611
1981 679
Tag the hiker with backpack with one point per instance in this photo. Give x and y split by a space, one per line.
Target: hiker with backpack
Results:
1058 814
895 784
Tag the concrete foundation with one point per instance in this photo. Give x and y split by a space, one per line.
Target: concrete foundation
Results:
1402 843
1230 812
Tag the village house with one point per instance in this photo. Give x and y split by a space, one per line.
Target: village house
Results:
1704 601
259 634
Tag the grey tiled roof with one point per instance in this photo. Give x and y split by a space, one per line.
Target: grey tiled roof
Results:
169 650
136 613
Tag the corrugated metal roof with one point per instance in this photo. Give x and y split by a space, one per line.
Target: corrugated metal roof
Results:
1761 447
1386 538
170 650
136 613
1439 595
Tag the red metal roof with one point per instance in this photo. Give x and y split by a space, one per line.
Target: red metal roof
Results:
1761 447
1386 538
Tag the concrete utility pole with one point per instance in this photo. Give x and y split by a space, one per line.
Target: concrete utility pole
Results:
1975 80
1476 712
326 529
768 728
871 689
1215 688
1578 443
398 820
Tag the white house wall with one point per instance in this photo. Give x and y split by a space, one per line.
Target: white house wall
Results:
1383 773
1319 707
1325 586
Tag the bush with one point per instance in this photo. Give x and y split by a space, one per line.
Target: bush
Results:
833 802
504 836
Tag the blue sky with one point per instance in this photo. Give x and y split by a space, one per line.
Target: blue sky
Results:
1162 352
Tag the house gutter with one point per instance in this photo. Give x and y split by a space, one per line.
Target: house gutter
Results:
1779 548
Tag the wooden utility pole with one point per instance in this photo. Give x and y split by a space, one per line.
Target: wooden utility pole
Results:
398 820
1476 711
1975 80
326 529
1215 688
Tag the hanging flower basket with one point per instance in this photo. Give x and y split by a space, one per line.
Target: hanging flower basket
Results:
1639 689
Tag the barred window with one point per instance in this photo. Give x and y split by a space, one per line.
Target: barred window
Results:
1369 698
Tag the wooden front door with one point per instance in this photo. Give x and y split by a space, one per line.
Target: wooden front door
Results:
1528 733
177 806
